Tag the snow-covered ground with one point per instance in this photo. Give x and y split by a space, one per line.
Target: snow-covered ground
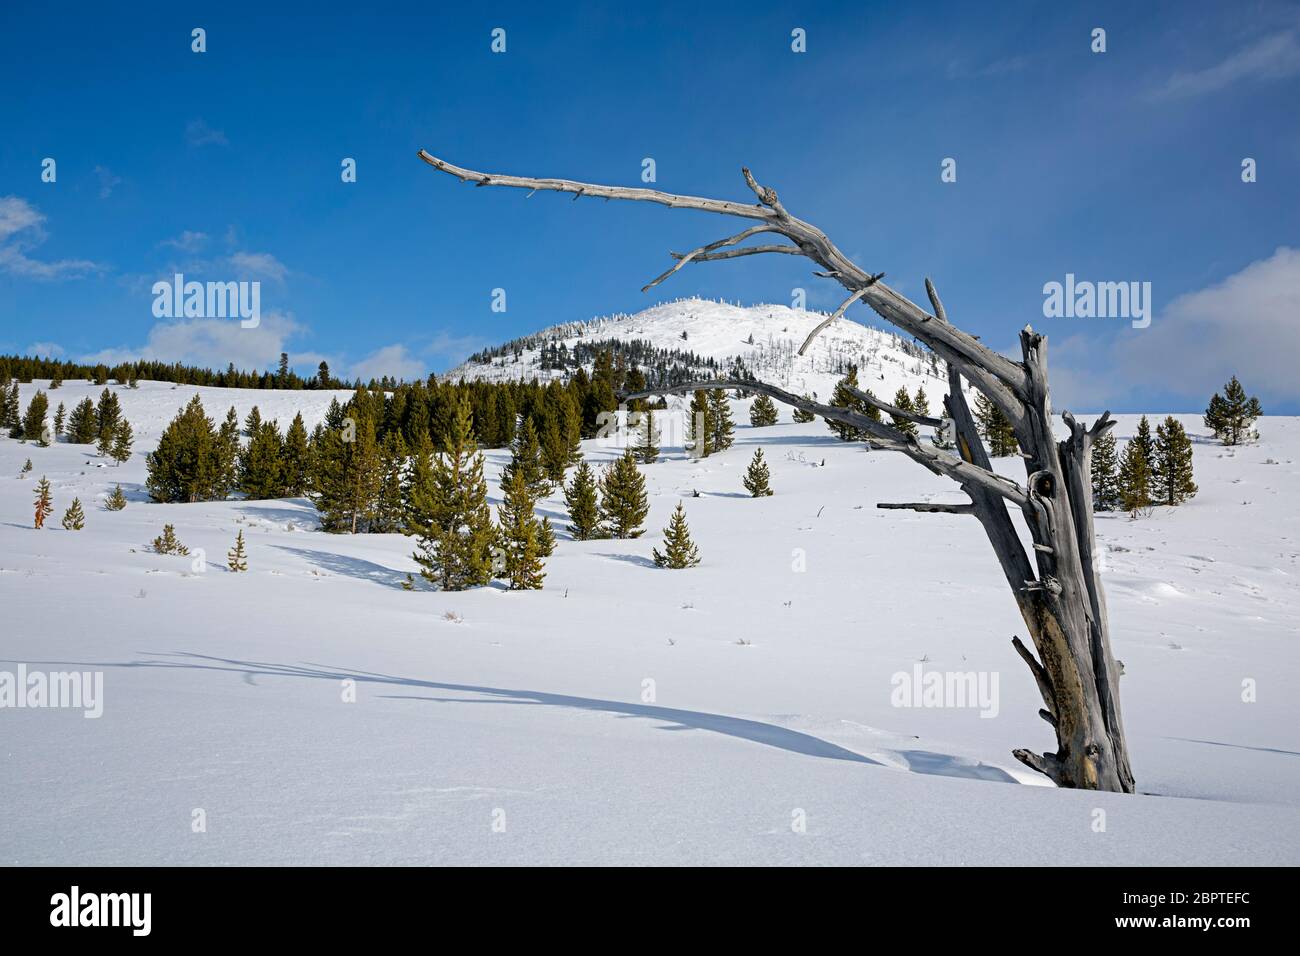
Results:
739 712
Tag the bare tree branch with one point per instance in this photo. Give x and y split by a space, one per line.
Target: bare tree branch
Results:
868 399
838 312
928 507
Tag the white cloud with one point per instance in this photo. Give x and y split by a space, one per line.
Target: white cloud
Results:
391 360
45 350
213 343
106 181
199 133
187 241
1274 57
259 264
1245 325
20 231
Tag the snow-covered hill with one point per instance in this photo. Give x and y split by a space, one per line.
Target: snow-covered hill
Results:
314 711
766 338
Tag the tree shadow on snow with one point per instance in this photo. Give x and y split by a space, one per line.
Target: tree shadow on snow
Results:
349 566
671 718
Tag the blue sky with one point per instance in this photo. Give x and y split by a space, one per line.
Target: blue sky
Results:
1115 166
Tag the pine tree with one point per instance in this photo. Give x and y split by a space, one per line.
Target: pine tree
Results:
60 419
390 506
699 427
757 477
723 427
921 403
1171 473
546 538
107 413
34 419
44 502
81 424
228 452
236 558
346 472
261 463
10 414
679 551
1232 416
903 402
296 459
763 412
843 397
520 535
74 519
526 458
252 422
584 513
995 428
186 466
623 501
56 381
801 416
105 444
168 543
117 500
1105 473
1134 479
27 466
554 448
647 443
452 518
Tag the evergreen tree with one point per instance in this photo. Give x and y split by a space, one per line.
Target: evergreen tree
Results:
452 518
546 538
1232 416
418 481
82 429
252 422
679 551
843 397
723 427
1105 473
1134 479
236 558
296 459
346 480
282 374
323 379
801 416
699 427
186 466
74 519
34 419
584 512
995 428
27 466
107 414
921 403
10 414
105 444
56 382
757 477
261 463
520 535
228 452
1171 473
647 438
44 502
123 437
554 449
390 507
168 543
623 501
903 402
60 419
526 458
117 500
763 412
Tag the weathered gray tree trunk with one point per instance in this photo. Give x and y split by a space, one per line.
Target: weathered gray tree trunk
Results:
1059 592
